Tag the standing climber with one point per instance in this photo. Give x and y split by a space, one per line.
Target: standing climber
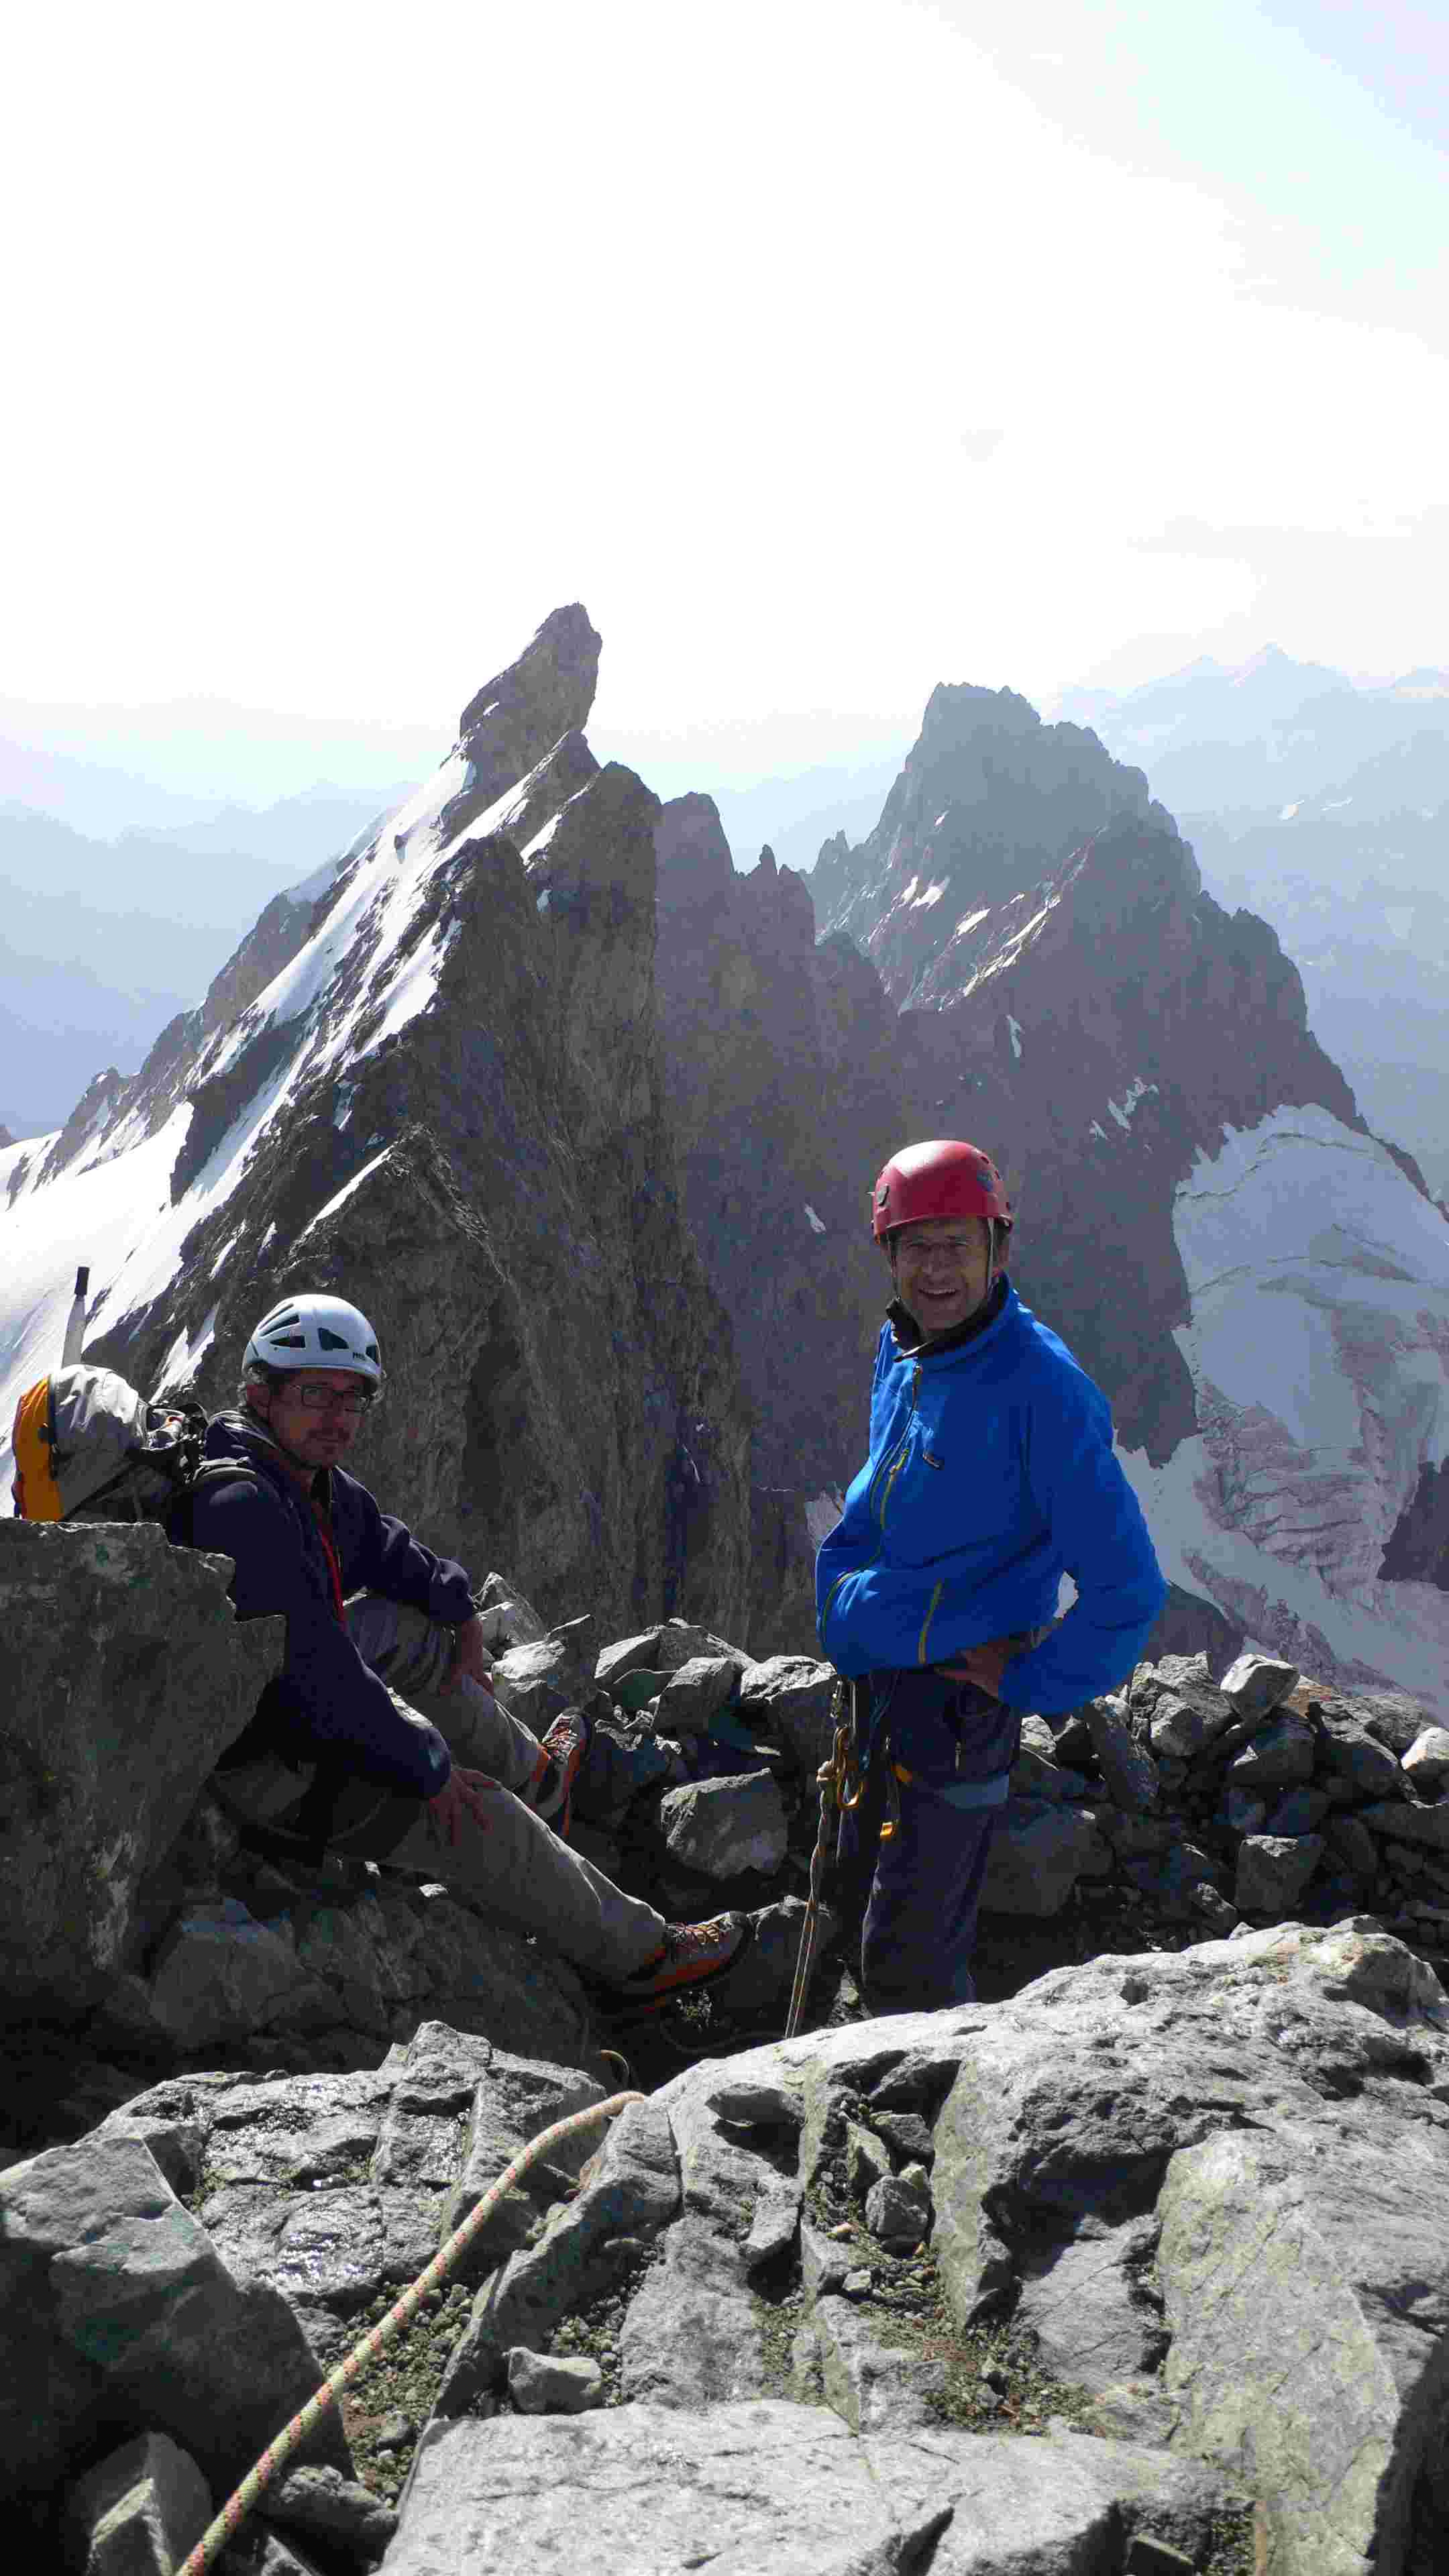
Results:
991 1474
333 1760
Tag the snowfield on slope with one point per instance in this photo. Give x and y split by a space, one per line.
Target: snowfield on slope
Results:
1319 1351
111 1205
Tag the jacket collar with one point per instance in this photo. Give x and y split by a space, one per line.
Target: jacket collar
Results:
907 1332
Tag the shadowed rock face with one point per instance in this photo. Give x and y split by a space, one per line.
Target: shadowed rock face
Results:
1418 1548
468 1140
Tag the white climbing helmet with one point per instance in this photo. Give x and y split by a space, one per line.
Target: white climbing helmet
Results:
315 1332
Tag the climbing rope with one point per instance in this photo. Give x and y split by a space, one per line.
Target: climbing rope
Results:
399 2317
840 1789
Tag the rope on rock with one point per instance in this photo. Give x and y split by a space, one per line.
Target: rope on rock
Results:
399 2317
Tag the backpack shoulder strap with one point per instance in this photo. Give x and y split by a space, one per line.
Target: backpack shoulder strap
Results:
211 1473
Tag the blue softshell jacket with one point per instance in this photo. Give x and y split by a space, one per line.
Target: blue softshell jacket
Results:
991 1474
326 1704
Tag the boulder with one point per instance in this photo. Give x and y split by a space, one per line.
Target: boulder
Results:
1390 1715
765 2483
541 2383
1179 1728
1279 1755
790 1699
126 1678
1347 1752
1274 1870
1128 1770
1301 1811
622 1762
139 2512
322 2504
1037 1855
721 1827
1427 1760
1243 1812
628 1655
1427 1826
898 2207
538 1682
1257 1684
117 2311
508 1620
1167 2170
694 1694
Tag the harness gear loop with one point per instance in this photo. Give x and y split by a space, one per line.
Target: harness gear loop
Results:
234 2512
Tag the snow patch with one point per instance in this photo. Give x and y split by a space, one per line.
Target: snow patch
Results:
98 1213
185 1356
1318 1346
932 895
815 1224
970 921
341 1197
1015 1028
1136 1090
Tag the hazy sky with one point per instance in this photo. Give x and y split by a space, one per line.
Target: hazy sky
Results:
824 351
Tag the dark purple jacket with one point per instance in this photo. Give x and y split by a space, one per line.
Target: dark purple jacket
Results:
325 1704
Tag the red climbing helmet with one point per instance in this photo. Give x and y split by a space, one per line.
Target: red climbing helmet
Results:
942 1178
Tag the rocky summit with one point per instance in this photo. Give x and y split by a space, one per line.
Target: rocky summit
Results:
1133 2265
1000 2287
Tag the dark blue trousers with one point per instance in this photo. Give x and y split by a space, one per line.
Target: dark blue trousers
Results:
921 1886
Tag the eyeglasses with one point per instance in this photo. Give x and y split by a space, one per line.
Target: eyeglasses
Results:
954 1246
328 1399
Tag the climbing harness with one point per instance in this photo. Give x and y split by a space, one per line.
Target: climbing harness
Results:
400 2316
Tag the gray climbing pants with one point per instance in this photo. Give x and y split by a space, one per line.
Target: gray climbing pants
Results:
506 1857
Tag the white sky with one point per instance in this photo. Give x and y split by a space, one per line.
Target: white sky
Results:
823 348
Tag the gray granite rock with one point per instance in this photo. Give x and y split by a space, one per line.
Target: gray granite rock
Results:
139 2512
117 2313
1428 1826
1128 1769
537 1682
508 1620
321 2504
542 2383
114 1641
722 1827
898 2208
790 1699
771 2484
696 1693
1300 1811
1037 1855
1244 1813
1279 1756
1274 1870
1256 1684
1427 1761
1348 1752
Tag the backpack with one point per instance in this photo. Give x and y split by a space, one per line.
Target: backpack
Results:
89 1447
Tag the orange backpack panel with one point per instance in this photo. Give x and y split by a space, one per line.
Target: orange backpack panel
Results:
37 1495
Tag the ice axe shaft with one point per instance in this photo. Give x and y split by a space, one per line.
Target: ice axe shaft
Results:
75 1326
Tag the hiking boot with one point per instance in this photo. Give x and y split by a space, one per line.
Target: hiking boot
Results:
566 1745
692 1954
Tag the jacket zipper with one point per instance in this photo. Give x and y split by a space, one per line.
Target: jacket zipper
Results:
890 1468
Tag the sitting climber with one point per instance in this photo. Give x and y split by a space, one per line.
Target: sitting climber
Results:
991 1473
332 1759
